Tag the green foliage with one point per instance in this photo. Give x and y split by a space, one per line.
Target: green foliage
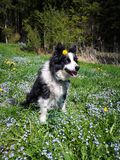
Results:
14 38
88 131
8 31
33 39
55 27
58 27
85 22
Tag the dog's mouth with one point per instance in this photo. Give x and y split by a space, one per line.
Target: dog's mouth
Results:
72 73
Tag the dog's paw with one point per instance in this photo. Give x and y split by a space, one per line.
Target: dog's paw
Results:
42 119
64 110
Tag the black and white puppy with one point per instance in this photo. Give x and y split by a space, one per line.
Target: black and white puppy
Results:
51 86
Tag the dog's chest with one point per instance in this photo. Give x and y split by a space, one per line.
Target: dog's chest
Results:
57 90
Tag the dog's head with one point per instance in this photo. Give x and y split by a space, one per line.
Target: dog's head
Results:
63 63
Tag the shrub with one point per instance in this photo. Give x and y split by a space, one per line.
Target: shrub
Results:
33 38
14 38
7 32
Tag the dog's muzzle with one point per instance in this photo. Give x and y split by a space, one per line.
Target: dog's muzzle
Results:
72 73
77 68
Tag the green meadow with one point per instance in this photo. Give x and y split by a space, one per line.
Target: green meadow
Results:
90 130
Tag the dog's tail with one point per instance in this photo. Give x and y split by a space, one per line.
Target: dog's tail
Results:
11 101
28 101
24 104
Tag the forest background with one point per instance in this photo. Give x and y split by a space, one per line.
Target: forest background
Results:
43 23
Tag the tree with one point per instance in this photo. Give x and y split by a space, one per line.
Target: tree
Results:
85 22
109 25
5 8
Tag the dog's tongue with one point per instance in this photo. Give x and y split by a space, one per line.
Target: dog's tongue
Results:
73 73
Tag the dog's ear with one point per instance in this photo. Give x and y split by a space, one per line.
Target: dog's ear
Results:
59 48
73 49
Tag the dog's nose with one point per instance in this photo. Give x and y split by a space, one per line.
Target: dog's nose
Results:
77 68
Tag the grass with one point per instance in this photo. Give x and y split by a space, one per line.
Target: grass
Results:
88 131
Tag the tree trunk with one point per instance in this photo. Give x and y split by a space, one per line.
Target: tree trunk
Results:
6 38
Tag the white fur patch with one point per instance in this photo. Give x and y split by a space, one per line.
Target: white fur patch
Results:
55 88
71 66
56 92
62 75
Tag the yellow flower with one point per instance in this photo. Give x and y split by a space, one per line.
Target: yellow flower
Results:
105 109
1 89
8 62
14 69
11 63
99 69
65 52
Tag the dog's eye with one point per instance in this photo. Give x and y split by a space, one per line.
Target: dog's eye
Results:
67 60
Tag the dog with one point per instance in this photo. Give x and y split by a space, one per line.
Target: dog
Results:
51 86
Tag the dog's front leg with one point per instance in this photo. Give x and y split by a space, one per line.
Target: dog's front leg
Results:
44 104
64 107
43 114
